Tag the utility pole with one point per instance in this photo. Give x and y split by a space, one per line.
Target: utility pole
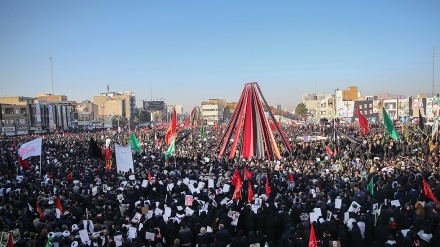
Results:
51 65
433 62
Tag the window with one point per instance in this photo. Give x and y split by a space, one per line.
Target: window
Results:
360 107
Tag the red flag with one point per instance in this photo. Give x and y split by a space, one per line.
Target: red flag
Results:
250 193
329 151
312 239
272 126
237 192
267 185
428 192
291 179
59 206
247 174
102 150
10 241
40 212
171 131
363 122
236 178
187 123
68 134
23 164
149 177
108 159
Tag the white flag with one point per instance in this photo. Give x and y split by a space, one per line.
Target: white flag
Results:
435 127
124 158
32 148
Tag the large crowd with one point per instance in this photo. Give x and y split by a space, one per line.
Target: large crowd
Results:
368 191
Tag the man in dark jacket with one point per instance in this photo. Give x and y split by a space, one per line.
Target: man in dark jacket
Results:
221 236
185 236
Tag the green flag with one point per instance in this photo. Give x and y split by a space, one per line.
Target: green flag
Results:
370 186
203 131
170 149
135 143
389 126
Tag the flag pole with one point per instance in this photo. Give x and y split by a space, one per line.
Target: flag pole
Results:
41 173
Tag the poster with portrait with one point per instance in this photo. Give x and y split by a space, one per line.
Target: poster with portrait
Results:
334 243
403 107
330 103
390 106
429 108
417 103
4 239
15 235
377 106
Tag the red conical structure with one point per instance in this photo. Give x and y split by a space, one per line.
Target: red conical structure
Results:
249 128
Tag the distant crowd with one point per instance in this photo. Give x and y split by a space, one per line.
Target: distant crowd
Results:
355 189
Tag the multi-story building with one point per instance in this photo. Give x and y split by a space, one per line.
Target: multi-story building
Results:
344 101
317 104
26 115
212 111
326 107
15 114
116 104
228 111
86 112
366 109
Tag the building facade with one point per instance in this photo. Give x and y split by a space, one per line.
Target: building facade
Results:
116 104
212 110
51 97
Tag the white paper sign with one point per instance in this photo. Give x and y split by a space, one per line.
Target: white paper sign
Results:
338 203
210 183
158 211
84 236
136 218
226 188
395 203
170 187
201 185
144 183
118 240
149 236
94 190
189 211
132 232
167 211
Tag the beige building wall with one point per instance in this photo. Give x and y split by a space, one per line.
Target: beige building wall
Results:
350 94
116 103
17 100
51 97
108 107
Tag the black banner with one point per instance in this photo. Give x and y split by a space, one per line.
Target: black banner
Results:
153 106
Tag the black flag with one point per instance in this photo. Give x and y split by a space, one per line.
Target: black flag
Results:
94 150
421 125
